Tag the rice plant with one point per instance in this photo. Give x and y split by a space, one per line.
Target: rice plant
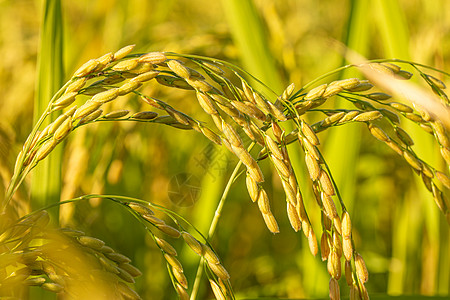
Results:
251 125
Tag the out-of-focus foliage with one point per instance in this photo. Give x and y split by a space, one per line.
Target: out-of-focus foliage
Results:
140 160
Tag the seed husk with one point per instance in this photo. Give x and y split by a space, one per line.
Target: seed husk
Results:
252 187
231 135
334 289
219 270
181 292
379 96
378 133
153 58
443 179
129 87
334 265
271 223
126 65
368 116
45 149
401 107
348 272
116 114
63 130
65 100
86 68
91 116
325 182
263 202
324 246
436 82
275 111
206 103
313 167
316 92
361 269
122 52
216 290
86 109
412 160
404 136
175 263
181 278
192 242
346 225
347 248
169 230
312 242
363 86
349 83
91 242
126 291
209 255
310 134
178 68
154 220
332 89
294 219
166 247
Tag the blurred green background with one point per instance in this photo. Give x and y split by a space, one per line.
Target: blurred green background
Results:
397 227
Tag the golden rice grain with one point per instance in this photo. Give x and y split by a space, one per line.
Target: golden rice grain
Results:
91 116
126 291
263 202
216 290
346 225
154 220
192 242
86 68
63 130
361 269
132 270
178 68
324 246
252 187
378 133
121 53
271 223
316 92
128 87
231 134
276 112
45 149
404 136
294 219
334 265
116 114
153 58
219 270
169 230
118 257
181 292
412 160
206 103
325 183
65 100
86 109
175 263
379 96
354 292
166 247
348 272
52 287
181 278
363 86
368 116
348 84
312 242
443 179
91 242
313 167
436 82
331 90
334 289
347 247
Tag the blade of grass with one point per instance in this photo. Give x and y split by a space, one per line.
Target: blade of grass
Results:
46 177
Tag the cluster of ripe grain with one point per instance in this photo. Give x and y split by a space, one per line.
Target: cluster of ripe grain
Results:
58 260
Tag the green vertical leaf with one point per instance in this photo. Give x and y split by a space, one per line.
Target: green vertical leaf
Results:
47 175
